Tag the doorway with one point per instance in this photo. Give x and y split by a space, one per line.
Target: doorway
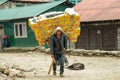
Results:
1 34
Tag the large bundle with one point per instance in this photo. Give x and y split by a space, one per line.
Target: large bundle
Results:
44 25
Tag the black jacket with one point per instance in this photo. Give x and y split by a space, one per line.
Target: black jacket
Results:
57 45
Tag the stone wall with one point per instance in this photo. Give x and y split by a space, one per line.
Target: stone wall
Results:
82 52
74 52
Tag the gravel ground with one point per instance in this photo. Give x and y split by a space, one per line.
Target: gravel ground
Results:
96 68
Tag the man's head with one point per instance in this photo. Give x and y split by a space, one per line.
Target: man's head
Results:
58 31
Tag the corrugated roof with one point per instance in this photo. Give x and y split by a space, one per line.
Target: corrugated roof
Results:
76 0
2 1
32 0
97 10
25 12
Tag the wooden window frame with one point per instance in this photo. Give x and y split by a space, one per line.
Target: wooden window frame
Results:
20 33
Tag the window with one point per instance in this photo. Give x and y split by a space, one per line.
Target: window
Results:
20 30
20 5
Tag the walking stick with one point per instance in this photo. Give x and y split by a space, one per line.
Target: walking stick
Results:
51 65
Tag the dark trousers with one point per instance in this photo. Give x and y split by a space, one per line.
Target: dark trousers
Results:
61 58
65 60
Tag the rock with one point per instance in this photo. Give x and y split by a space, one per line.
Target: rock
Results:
10 78
3 75
14 71
15 67
21 74
96 52
30 52
103 52
6 72
47 50
2 67
11 72
90 54
114 53
75 54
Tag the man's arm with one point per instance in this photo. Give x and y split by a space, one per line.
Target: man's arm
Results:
65 41
51 46
52 53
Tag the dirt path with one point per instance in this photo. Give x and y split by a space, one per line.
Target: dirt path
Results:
96 68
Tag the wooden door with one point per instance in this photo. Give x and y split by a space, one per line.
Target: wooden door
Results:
110 38
95 38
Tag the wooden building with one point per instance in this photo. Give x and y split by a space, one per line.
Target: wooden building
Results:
5 4
100 24
15 21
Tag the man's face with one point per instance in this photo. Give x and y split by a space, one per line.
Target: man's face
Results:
58 33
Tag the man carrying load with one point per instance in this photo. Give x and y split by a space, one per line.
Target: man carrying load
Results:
58 44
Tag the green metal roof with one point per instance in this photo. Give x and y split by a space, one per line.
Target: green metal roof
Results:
75 0
2 1
25 12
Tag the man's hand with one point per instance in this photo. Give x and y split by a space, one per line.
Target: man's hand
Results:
65 49
52 56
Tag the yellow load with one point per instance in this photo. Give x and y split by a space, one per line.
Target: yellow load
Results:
45 24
